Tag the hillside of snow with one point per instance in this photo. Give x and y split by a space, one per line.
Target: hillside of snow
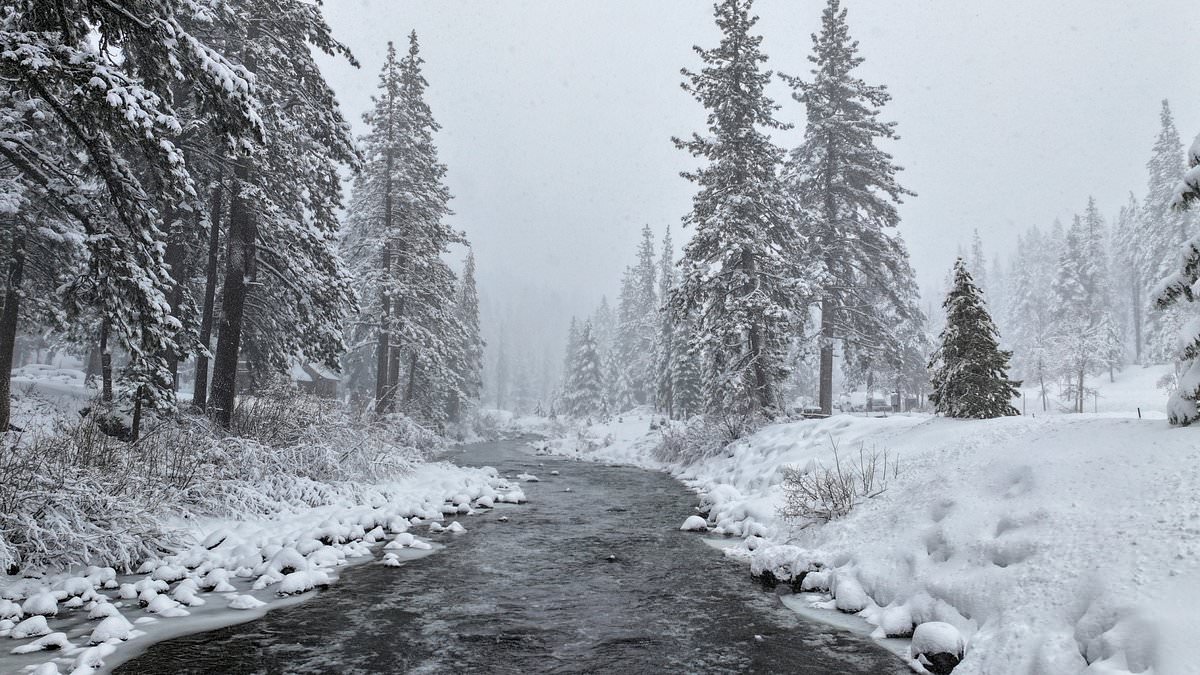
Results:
1054 544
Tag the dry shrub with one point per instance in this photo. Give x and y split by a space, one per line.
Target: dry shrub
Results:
76 495
825 493
703 436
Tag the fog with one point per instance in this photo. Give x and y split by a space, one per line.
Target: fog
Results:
557 117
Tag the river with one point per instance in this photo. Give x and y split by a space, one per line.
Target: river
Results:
591 575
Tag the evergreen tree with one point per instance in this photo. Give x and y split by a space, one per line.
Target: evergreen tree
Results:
285 292
739 269
847 188
1130 269
1165 231
1181 287
970 371
1032 312
469 367
664 343
584 394
1084 341
92 142
638 325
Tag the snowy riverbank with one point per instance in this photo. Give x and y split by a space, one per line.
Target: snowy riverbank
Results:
234 570
1057 544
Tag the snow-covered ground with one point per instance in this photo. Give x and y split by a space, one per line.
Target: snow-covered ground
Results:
235 571
1054 544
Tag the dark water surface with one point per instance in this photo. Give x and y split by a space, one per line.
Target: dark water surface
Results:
538 594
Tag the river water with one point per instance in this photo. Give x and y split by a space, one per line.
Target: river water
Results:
592 575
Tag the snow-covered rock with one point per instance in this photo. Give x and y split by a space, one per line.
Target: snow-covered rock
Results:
47 643
245 602
10 610
43 603
115 627
302 581
31 627
165 607
937 646
849 596
694 524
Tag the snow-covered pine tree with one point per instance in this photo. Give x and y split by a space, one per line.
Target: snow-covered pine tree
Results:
1032 312
285 292
1084 340
637 326
470 362
664 341
969 370
1182 409
94 140
740 273
584 394
848 193
1165 231
398 237
1129 271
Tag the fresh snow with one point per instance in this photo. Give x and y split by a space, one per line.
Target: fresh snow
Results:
248 566
1051 544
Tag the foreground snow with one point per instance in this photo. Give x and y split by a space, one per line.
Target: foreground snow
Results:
1057 544
235 571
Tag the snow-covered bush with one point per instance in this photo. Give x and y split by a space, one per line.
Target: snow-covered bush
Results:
821 494
77 495
702 437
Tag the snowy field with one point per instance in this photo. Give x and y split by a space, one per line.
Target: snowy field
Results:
1053 544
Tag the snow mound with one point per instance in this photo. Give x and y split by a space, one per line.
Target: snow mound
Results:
43 603
244 602
694 524
51 642
31 627
528 478
937 646
302 581
115 627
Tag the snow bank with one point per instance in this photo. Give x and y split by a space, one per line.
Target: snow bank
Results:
1049 544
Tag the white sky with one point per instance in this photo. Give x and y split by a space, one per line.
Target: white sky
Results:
557 115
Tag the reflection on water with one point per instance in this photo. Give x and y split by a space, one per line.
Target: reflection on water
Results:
538 594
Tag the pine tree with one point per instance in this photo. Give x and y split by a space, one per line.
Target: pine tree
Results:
638 321
847 188
469 366
584 394
664 342
285 292
1129 270
1165 231
970 371
1032 311
1181 287
739 269
1084 340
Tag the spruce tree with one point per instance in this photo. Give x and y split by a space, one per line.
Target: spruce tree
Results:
469 365
847 189
740 277
638 324
969 370
1165 230
1129 271
1182 408
584 394
665 344
979 264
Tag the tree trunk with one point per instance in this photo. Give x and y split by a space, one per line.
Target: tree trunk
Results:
200 386
239 269
8 327
383 392
1079 393
106 368
825 395
135 427
176 259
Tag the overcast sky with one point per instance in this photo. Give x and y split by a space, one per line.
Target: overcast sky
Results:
557 114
